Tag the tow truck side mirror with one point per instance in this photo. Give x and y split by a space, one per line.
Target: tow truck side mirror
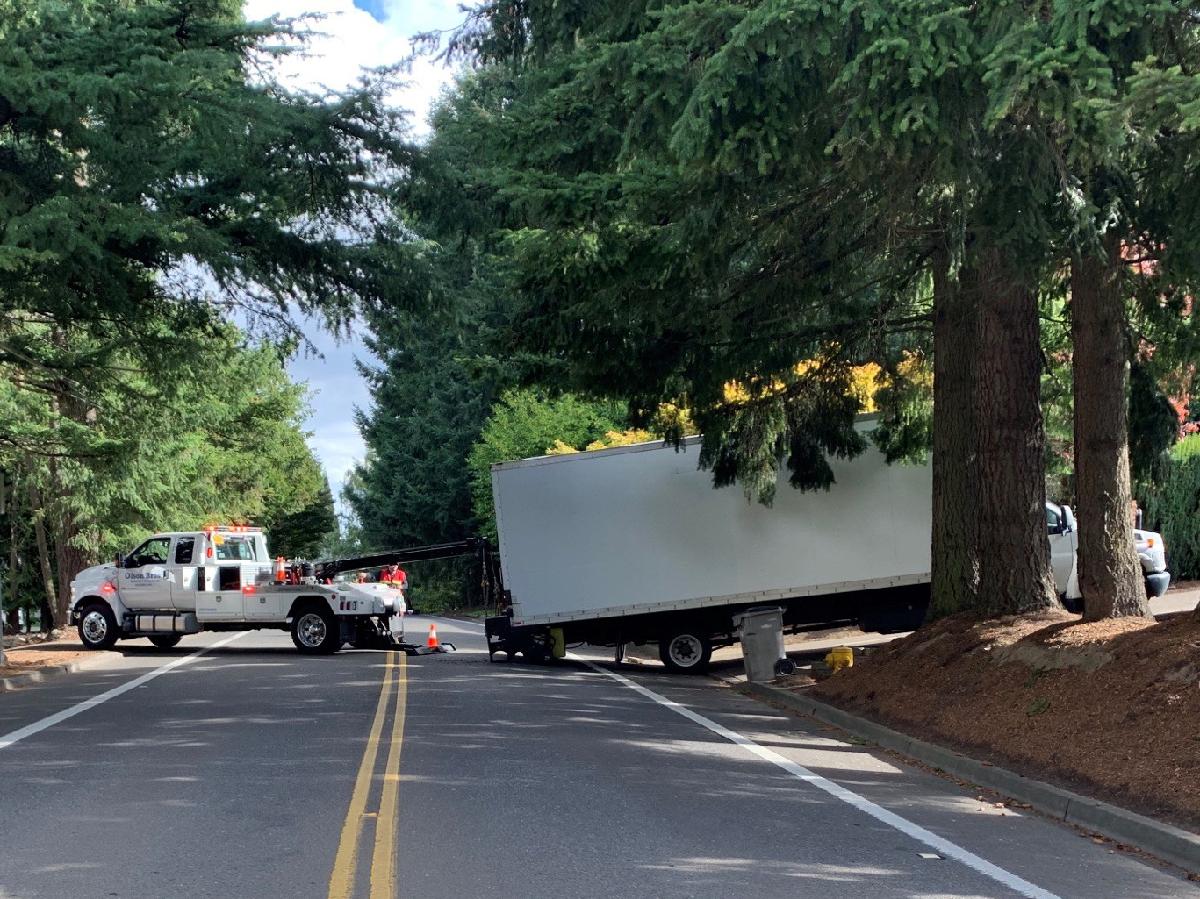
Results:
1068 519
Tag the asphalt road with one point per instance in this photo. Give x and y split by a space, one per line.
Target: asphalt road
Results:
252 771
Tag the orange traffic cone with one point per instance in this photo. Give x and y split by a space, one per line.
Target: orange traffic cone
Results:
280 571
432 642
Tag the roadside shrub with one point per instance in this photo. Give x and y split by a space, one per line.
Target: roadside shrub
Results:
1172 507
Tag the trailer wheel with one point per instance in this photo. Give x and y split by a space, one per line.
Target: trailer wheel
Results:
315 631
98 626
685 652
166 641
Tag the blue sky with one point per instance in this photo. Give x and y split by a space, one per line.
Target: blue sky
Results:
355 33
376 8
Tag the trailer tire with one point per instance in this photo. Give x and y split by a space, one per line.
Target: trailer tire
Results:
166 641
315 631
685 651
98 626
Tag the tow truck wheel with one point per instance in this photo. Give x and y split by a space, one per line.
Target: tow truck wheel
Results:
314 631
166 641
98 627
685 652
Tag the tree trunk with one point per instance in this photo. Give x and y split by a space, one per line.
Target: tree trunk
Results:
1014 554
12 590
38 513
1110 575
954 550
70 561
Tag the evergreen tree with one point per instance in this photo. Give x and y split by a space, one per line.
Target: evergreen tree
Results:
675 226
304 533
155 180
429 404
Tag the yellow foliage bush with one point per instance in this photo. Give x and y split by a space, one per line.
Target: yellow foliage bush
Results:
864 379
621 438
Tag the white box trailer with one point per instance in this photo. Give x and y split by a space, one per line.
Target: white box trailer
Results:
634 545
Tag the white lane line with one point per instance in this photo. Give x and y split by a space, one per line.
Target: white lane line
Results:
459 621
878 812
58 717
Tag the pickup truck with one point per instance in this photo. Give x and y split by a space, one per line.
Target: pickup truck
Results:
1064 547
223 579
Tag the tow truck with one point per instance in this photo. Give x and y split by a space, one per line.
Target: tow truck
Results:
223 579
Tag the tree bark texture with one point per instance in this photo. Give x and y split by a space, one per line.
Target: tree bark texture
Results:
13 587
70 560
1110 575
38 513
954 550
1014 554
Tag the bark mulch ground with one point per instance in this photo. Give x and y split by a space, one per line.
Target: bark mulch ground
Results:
1110 709
20 661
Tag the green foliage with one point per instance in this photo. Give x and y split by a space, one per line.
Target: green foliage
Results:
1172 507
526 423
429 403
640 269
223 444
155 181
1153 426
303 533
696 193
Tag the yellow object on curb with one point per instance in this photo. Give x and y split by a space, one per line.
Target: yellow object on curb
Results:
558 643
840 657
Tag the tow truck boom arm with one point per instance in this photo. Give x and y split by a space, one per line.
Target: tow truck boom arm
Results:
492 584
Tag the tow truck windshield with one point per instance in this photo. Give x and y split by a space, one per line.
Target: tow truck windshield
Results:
236 549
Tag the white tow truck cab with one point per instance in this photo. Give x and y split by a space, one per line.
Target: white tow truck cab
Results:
223 579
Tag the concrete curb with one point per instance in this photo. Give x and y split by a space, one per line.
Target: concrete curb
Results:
47 672
1170 843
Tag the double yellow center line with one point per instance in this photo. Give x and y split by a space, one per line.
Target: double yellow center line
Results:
383 858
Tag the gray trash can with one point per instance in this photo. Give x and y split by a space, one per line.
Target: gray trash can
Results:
761 631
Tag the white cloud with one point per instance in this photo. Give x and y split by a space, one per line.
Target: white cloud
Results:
347 40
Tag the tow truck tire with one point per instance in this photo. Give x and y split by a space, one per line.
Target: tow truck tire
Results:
315 631
98 626
166 641
685 651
